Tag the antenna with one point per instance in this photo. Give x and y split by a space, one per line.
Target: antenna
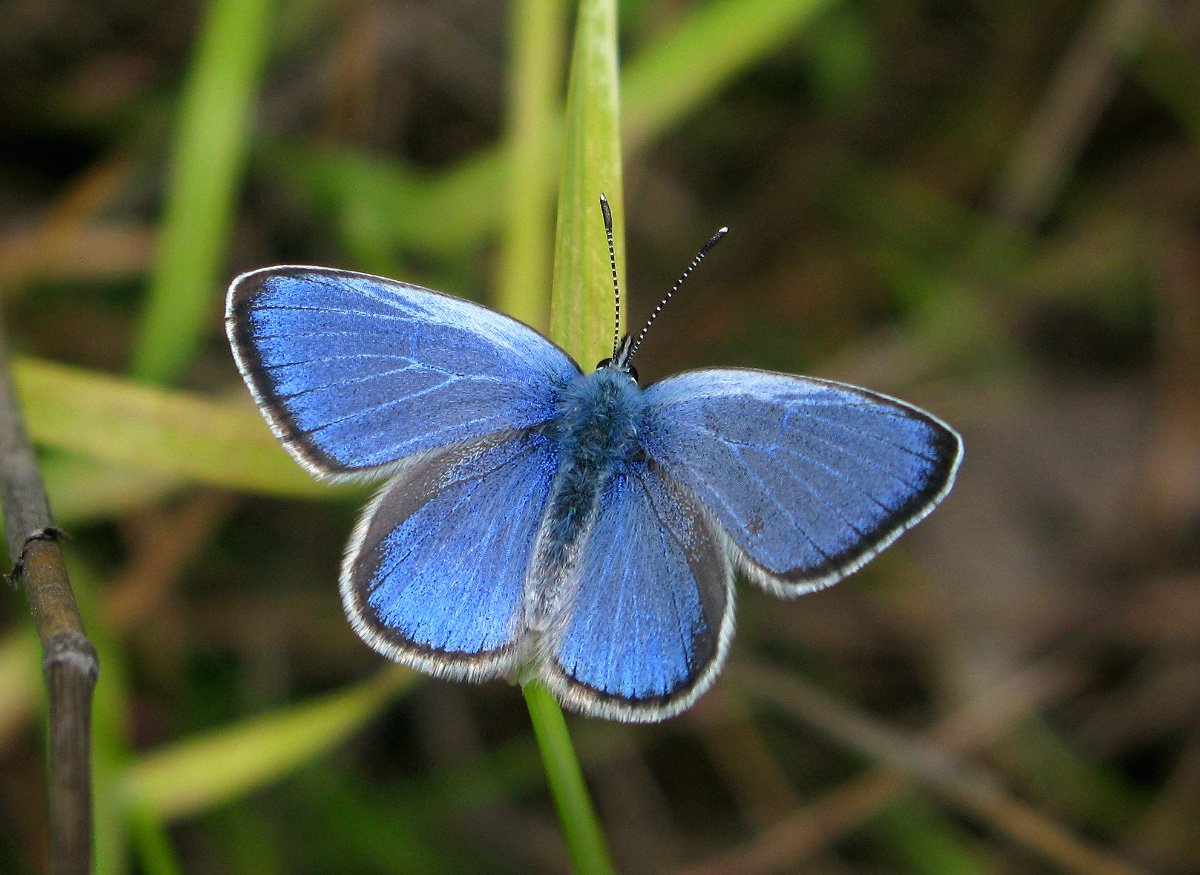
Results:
704 250
612 260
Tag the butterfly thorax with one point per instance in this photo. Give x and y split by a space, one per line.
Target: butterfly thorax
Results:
595 431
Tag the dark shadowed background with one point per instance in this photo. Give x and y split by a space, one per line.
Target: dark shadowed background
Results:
989 209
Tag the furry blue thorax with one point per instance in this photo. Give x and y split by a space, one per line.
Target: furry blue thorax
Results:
596 432
598 419
596 429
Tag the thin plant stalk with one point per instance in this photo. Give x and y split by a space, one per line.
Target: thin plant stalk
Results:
581 827
581 307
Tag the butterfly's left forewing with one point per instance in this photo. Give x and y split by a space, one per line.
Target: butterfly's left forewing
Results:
651 614
356 373
808 478
435 574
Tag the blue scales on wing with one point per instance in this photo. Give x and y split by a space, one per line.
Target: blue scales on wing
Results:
435 574
652 609
355 372
808 478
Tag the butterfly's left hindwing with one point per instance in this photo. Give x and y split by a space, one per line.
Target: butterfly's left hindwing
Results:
356 372
808 478
435 574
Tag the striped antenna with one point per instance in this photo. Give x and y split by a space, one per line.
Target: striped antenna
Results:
704 250
612 260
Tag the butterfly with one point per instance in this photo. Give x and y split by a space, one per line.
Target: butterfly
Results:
575 527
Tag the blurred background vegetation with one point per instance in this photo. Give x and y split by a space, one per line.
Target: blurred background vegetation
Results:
989 209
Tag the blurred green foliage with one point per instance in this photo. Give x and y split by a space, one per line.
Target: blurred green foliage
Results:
989 209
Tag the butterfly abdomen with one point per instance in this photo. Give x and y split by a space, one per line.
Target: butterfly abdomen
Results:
596 432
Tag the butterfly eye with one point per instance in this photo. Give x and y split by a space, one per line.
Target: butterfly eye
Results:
628 369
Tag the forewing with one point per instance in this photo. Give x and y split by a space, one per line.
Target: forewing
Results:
651 616
355 372
435 574
808 478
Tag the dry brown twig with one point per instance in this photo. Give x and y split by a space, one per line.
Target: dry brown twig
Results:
69 662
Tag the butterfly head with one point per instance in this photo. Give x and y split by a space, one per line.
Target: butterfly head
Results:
620 359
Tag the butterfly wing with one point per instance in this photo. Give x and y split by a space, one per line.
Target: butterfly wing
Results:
355 372
651 616
434 576
809 479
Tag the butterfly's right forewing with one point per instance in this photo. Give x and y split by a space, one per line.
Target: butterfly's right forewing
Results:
355 372
808 478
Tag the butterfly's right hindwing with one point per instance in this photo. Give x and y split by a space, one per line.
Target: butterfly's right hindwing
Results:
435 575
355 372
652 611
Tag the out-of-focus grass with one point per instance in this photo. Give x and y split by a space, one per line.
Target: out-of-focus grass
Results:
450 212
375 199
171 439
855 152
202 773
190 437
210 151
537 49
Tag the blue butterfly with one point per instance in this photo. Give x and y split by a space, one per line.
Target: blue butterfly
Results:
543 522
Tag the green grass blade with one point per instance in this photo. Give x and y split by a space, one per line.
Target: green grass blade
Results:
112 419
148 834
582 300
579 320
206 166
199 773
82 489
539 40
